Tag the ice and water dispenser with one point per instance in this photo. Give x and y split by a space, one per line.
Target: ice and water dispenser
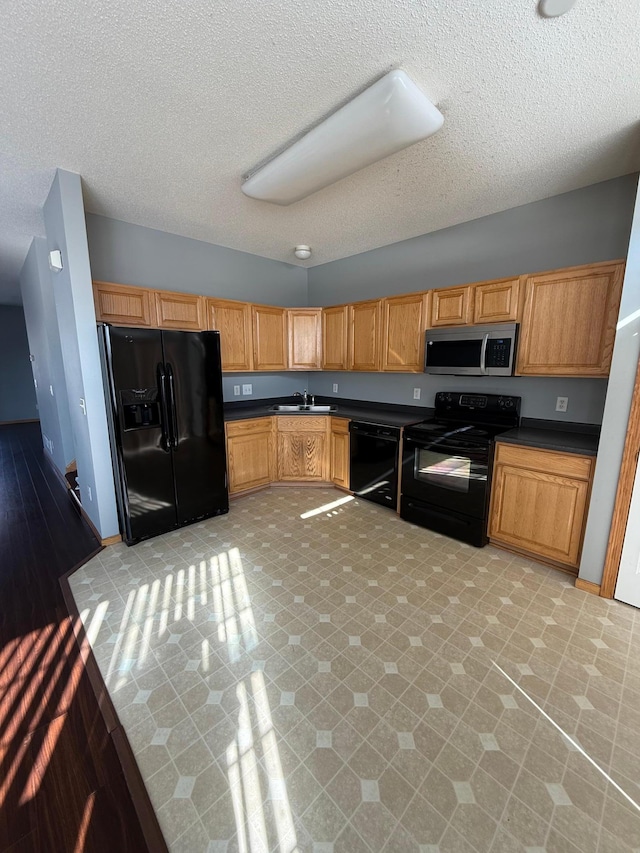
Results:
140 408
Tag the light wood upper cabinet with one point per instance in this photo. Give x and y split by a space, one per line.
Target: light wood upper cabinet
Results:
335 337
303 448
182 311
304 330
569 321
539 502
404 322
496 301
364 335
452 306
233 321
123 305
250 454
269 337
339 452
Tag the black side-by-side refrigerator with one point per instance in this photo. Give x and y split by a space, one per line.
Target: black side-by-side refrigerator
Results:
166 427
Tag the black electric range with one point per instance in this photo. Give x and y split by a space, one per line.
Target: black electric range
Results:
447 462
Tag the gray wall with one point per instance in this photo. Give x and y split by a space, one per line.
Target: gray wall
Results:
264 385
579 227
44 344
626 352
66 230
132 254
17 394
586 396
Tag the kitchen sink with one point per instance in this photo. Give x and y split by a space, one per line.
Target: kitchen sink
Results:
304 409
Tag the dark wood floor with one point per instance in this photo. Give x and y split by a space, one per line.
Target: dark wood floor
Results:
61 783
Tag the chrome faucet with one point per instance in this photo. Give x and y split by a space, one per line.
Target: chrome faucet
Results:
304 395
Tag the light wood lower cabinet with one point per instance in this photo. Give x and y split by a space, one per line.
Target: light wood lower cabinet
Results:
250 454
339 452
539 502
303 444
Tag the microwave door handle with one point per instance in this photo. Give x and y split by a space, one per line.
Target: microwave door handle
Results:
483 354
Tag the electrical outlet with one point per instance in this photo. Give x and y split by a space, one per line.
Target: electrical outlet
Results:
89 493
247 389
83 406
236 390
416 393
562 404
51 390
335 387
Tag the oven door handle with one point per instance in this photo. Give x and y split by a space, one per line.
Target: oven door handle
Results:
443 447
483 354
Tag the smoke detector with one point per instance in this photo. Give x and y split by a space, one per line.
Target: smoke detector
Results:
302 252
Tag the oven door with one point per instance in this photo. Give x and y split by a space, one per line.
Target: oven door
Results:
447 472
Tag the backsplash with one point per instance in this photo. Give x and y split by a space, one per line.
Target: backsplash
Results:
539 393
263 385
586 396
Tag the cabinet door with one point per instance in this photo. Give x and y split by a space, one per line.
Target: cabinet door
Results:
569 321
301 456
364 335
403 332
452 306
269 338
233 321
183 311
123 305
539 501
334 337
339 452
496 301
303 447
250 454
304 327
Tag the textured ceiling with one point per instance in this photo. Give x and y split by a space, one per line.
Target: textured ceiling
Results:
162 107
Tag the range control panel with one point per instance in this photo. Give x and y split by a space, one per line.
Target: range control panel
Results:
485 408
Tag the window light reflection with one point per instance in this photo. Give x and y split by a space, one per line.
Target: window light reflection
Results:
327 507
220 583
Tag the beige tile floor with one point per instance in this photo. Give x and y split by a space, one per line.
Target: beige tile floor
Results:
343 682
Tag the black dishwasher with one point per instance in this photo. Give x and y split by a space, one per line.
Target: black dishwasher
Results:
374 462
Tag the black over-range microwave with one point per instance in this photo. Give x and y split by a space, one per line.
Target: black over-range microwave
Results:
472 350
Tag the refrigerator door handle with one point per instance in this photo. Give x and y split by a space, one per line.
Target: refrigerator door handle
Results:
164 409
172 408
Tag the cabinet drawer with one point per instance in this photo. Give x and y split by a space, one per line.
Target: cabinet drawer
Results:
302 423
339 424
547 461
247 427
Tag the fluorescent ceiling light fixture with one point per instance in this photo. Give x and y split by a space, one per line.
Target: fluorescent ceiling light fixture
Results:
388 116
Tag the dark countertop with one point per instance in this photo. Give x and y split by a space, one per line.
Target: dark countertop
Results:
382 414
555 435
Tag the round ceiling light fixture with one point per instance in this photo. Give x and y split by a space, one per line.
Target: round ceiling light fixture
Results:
302 252
555 8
